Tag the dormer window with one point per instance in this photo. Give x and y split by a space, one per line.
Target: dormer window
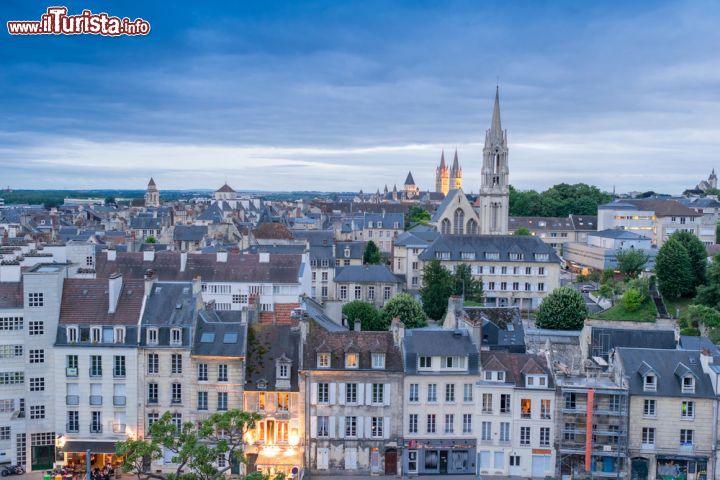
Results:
424 363
347 252
119 334
283 370
175 336
688 384
95 334
72 334
323 360
650 383
351 360
379 224
454 362
535 381
378 361
152 336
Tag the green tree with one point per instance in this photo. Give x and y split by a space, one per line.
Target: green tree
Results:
467 285
522 232
406 308
557 201
632 300
673 270
366 313
631 261
438 285
697 253
709 294
700 317
563 309
417 215
150 239
110 200
607 275
371 255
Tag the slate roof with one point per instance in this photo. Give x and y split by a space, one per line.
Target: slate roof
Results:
502 327
618 233
238 268
661 207
85 301
437 342
413 237
225 189
449 198
409 180
357 249
189 233
365 274
665 363
698 202
212 214
276 341
482 244
388 220
516 366
11 295
605 339
276 249
698 343
146 223
541 223
220 334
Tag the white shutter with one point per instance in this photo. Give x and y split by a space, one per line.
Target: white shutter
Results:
341 393
386 394
367 422
313 427
341 429
361 394
368 394
386 427
333 393
313 393
331 427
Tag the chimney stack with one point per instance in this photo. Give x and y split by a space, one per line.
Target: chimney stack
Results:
149 255
264 257
150 279
196 285
115 284
183 260
111 254
222 256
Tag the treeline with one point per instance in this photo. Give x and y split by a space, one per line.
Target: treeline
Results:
558 201
53 198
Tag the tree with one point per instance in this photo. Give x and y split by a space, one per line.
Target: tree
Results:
406 308
466 285
563 309
150 239
709 294
673 270
195 447
522 232
697 253
371 255
110 200
366 313
632 300
700 317
438 285
417 215
631 261
557 201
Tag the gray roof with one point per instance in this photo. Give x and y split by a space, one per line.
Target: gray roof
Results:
491 244
189 233
669 365
357 249
220 334
269 343
502 327
365 274
449 198
698 343
388 219
170 305
603 340
212 214
437 342
618 233
415 237
146 223
276 249
661 207
314 237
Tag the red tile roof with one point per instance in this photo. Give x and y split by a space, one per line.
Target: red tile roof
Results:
85 301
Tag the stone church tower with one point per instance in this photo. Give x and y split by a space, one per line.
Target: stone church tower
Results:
152 195
493 202
442 176
456 174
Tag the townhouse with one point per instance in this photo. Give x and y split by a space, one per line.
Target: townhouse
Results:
373 283
406 254
382 228
353 383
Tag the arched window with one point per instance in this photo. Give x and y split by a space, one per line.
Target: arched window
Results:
472 227
458 222
445 226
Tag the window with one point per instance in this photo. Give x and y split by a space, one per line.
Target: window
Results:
323 426
686 437
202 372
11 323
175 336
351 393
454 362
505 403
524 435
358 292
152 336
378 361
544 436
283 402
351 426
648 436
261 401
371 292
504 431
545 409
486 431
7 406
541 286
378 393
36 327
12 378
152 392
468 392
487 401
525 408
449 423
514 460
223 372
376 427
95 366
37 384
119 334
387 293
73 421
95 334
413 423
688 384
649 408
222 401
323 392
432 392
72 334
176 420
450 392
176 364
35 299
37 356
343 292
153 364
467 423
351 360
430 425
119 366
176 393
37 412
569 432
425 362
152 418
688 409
323 360
570 401
202 400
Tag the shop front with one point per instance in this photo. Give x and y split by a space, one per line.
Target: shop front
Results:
671 467
271 460
73 455
440 457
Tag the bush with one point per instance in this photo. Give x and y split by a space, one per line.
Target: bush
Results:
406 308
366 312
632 300
563 309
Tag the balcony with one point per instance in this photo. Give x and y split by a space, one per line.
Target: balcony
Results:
96 400
71 372
152 401
118 428
119 373
72 427
96 372
96 428
119 400
72 399
176 401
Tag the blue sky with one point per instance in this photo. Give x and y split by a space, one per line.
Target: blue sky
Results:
342 95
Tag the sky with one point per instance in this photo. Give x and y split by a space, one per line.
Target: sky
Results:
349 95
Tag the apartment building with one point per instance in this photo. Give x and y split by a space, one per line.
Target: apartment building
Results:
556 231
373 283
406 254
382 228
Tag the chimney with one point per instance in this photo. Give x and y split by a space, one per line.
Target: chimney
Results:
111 254
264 257
196 285
183 260
222 256
115 284
454 312
358 325
397 328
150 279
149 255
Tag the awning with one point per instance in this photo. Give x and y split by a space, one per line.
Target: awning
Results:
80 446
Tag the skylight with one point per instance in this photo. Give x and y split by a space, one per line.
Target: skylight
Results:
207 337
230 338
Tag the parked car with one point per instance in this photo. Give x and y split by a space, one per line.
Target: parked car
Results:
587 289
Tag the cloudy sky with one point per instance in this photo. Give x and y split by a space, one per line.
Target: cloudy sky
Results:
344 95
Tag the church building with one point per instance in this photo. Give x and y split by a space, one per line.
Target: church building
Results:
152 195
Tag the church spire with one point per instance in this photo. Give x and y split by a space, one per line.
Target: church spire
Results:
456 163
442 159
496 127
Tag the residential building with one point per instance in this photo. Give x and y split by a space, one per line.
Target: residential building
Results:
406 261
558 232
382 228
373 283
599 251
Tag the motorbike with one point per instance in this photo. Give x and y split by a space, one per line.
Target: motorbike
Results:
12 470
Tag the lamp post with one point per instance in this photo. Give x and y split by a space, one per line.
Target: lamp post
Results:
87 464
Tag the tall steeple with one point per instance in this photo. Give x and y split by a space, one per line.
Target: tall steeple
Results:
455 174
442 176
152 195
495 185
496 132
